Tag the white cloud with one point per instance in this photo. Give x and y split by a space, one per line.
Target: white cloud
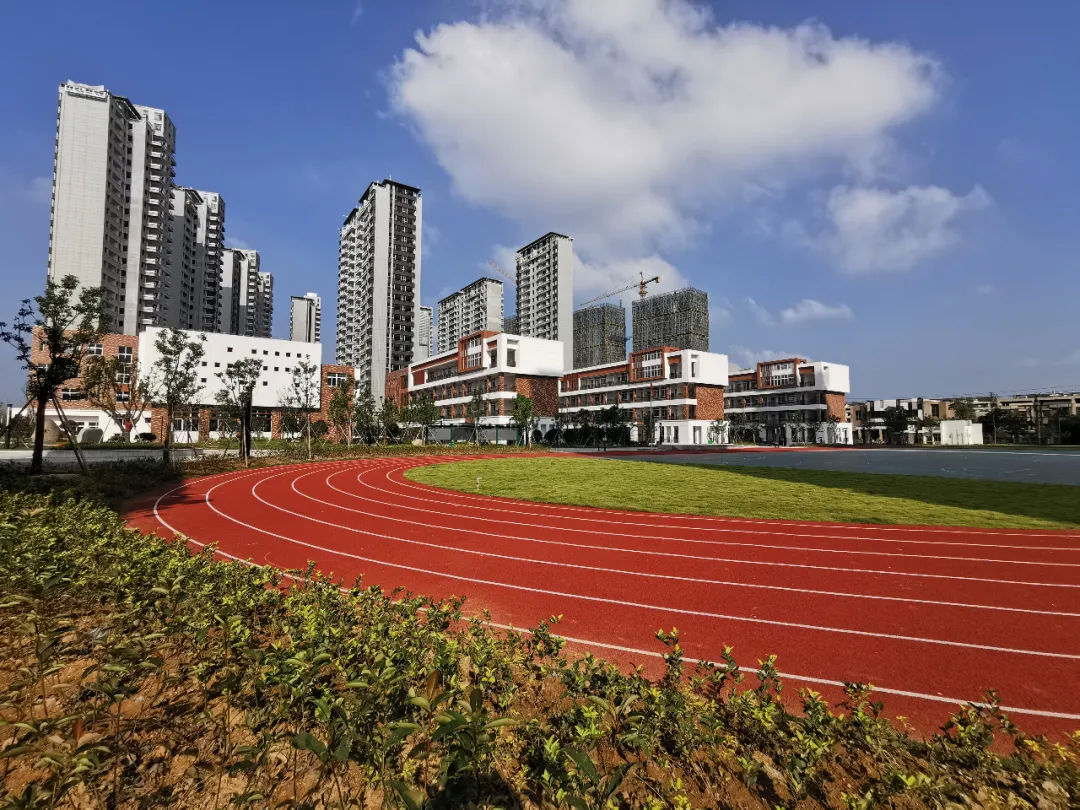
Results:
596 278
621 120
985 289
810 310
763 315
236 244
873 230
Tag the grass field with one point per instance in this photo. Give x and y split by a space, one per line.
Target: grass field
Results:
758 492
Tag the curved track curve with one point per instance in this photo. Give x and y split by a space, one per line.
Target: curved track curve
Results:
930 616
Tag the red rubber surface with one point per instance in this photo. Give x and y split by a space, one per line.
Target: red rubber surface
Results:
930 616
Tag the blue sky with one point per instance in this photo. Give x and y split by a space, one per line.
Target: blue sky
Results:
888 185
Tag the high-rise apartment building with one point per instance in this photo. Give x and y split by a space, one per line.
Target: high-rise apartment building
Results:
599 335
111 203
247 294
379 283
678 319
424 326
475 308
545 286
510 325
305 318
209 251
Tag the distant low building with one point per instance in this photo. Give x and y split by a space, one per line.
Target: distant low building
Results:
792 401
682 388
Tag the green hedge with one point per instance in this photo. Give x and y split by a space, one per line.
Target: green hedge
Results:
136 673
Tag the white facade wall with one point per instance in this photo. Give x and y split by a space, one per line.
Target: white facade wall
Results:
424 328
112 183
379 263
545 289
475 308
961 432
501 353
279 357
305 318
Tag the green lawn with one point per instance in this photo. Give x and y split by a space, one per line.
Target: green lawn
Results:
758 492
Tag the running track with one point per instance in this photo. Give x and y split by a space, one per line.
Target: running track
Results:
930 616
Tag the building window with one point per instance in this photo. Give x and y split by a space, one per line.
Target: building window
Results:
124 354
71 394
335 379
94 349
229 349
123 376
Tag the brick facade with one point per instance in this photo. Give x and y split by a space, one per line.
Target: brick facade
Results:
543 391
710 402
835 406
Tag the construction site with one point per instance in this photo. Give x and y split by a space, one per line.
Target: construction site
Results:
679 319
599 335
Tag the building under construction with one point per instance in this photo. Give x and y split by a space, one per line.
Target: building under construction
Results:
677 319
599 335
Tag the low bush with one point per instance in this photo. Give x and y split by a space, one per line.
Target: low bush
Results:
135 673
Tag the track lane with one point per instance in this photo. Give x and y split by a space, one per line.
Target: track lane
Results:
270 536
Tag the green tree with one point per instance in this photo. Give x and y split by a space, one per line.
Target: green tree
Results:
963 408
387 417
583 421
176 377
237 391
738 427
305 389
716 430
62 323
118 389
1015 423
924 425
524 416
424 413
896 421
366 417
342 411
609 419
474 411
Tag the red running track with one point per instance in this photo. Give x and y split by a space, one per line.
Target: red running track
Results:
930 616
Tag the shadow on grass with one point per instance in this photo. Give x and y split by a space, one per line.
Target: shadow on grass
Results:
1051 502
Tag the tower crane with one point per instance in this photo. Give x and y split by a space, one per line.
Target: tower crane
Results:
641 285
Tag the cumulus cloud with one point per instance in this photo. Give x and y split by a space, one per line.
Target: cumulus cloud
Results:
872 230
622 121
810 310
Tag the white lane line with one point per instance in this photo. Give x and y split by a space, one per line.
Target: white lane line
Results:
752 544
604 518
720 582
516 503
601 599
605 645
808 566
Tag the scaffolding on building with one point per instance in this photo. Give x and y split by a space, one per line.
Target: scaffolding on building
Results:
679 319
599 335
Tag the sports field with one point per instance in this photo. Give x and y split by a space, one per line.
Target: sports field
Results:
930 616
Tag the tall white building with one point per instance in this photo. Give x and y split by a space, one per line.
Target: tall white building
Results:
379 283
209 251
545 288
305 318
112 197
247 294
424 325
475 308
